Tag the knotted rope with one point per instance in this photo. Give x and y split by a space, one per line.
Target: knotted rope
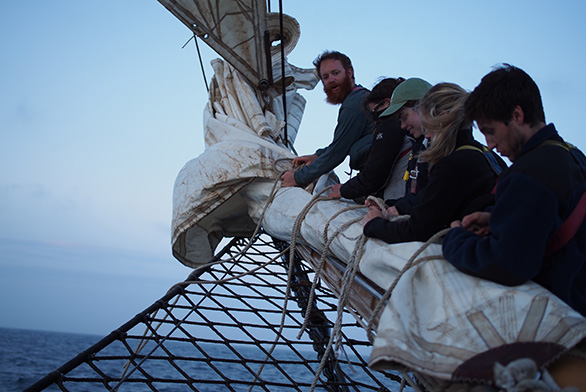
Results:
412 262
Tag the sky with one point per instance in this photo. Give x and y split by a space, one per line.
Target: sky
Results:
101 106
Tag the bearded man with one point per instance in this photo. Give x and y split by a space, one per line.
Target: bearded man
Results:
353 133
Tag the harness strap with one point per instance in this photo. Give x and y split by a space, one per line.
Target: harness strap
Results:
570 226
402 154
487 154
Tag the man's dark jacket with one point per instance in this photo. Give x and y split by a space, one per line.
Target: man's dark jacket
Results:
533 197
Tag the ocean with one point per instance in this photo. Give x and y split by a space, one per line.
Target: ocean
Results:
26 356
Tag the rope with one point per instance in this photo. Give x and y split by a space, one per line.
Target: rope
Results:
348 277
296 229
234 258
284 86
269 201
194 38
320 264
410 263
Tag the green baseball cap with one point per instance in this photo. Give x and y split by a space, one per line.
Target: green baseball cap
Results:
412 89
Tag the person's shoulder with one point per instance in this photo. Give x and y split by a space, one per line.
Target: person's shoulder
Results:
390 124
356 96
544 155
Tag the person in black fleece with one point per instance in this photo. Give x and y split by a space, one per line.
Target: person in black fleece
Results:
512 243
382 174
403 105
461 175
533 196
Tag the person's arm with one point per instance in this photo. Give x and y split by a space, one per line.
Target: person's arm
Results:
406 204
440 199
388 138
521 222
304 160
351 123
288 179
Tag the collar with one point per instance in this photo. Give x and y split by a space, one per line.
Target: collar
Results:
546 133
464 136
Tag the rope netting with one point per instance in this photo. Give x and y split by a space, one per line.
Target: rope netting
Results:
230 327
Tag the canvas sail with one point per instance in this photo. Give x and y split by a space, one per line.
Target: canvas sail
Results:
241 32
440 323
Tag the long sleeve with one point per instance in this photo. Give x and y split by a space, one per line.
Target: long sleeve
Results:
388 138
513 253
455 182
353 124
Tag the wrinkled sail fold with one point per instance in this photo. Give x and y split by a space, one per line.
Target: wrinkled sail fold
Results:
240 31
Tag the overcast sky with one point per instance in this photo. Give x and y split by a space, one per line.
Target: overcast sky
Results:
100 107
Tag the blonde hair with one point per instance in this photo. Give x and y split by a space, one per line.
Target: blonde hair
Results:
442 111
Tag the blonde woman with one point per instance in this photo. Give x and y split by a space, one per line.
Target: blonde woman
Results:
462 172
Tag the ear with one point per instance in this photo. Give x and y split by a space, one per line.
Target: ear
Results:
351 72
518 116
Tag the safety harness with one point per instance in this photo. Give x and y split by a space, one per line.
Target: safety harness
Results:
570 226
488 155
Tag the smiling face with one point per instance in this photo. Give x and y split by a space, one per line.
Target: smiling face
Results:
410 121
338 83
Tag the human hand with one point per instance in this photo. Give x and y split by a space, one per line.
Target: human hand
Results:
392 211
335 193
477 222
288 179
373 212
372 201
304 159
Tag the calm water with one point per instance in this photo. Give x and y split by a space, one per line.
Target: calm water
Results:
27 356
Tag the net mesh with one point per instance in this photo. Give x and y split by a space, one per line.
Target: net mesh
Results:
230 327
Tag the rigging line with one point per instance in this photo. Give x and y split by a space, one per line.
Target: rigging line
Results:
413 261
320 265
296 229
203 72
336 334
285 133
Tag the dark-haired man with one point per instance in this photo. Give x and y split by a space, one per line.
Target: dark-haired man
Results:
516 241
353 133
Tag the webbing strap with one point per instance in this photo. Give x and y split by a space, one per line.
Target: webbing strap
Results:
469 147
487 154
569 228
402 154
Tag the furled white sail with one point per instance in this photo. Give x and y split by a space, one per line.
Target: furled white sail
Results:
444 325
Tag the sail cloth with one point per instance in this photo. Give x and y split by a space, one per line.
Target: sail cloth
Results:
444 325
242 32
441 323
243 143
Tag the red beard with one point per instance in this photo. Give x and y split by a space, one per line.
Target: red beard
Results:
345 88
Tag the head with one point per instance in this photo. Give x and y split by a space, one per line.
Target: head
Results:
409 117
442 117
380 96
507 108
337 75
404 104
